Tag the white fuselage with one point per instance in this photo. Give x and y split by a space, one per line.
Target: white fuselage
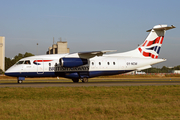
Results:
48 65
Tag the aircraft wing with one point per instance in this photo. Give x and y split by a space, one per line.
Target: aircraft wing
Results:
91 54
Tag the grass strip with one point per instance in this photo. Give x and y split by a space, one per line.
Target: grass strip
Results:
132 102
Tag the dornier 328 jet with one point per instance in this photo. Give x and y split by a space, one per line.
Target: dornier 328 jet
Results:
84 65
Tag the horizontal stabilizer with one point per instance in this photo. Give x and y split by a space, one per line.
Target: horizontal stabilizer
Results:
162 27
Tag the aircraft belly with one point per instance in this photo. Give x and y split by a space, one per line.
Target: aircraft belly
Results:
104 73
31 74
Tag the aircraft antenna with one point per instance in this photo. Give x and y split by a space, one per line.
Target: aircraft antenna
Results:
37 48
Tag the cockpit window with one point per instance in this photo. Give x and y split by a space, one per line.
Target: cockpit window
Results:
20 62
27 62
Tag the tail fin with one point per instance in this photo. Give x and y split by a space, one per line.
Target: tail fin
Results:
152 45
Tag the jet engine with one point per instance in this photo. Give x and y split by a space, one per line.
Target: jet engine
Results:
72 62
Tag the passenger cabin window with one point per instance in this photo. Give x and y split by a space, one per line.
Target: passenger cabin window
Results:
99 63
49 64
20 62
27 62
108 63
92 63
113 63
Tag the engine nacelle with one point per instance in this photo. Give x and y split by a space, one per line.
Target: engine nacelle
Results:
72 62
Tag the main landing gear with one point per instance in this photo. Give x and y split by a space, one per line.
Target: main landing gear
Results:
84 80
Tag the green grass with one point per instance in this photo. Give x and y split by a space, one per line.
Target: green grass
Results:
87 103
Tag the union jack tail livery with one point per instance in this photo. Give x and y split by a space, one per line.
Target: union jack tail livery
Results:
150 48
152 44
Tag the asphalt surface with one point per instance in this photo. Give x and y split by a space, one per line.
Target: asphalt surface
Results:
65 83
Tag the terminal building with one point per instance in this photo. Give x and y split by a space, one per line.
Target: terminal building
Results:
59 48
2 53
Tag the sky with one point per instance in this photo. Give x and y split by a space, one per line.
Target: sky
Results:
88 25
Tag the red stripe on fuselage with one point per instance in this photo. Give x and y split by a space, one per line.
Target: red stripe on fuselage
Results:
43 60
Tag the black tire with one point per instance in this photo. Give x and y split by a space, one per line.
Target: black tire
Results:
75 80
20 81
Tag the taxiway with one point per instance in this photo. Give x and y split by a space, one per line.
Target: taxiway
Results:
98 84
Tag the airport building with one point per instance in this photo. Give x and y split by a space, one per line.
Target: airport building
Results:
2 53
59 48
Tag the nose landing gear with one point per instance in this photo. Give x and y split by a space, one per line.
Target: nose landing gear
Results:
20 79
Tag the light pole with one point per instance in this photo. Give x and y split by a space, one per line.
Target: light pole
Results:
37 48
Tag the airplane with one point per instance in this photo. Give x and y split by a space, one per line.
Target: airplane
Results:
84 65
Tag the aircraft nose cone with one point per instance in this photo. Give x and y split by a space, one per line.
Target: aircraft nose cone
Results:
6 73
9 73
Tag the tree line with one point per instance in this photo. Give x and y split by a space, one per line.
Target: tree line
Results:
10 62
164 69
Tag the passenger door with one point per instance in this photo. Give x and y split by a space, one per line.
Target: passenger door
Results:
40 66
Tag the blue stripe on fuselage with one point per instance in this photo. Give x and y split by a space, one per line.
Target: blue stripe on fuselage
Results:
66 74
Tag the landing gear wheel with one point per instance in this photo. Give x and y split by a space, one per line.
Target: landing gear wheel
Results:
84 80
20 81
75 80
